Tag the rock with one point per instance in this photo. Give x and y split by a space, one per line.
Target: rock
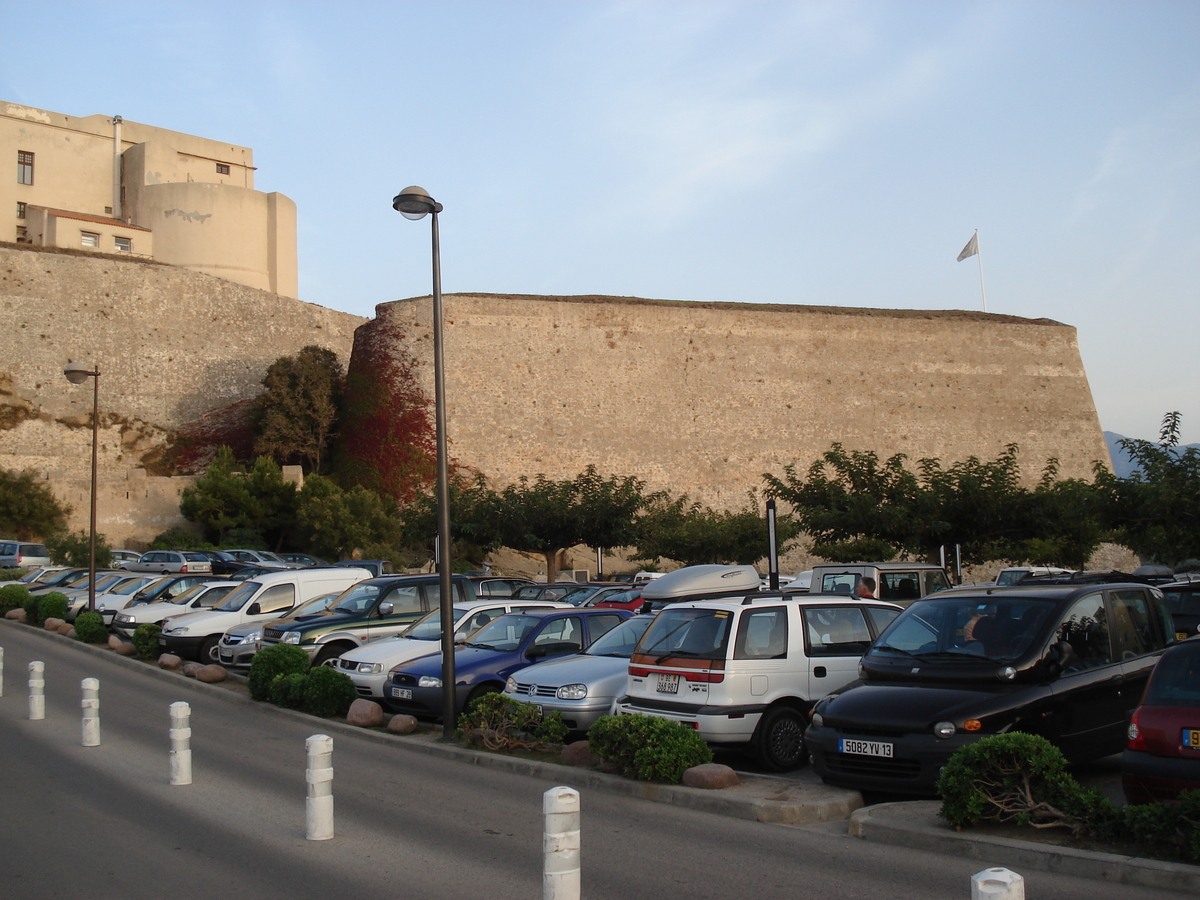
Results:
710 776
170 661
579 754
17 615
65 628
51 624
609 767
211 674
114 642
71 634
191 668
124 648
364 713
402 724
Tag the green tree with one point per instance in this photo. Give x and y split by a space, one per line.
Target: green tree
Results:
28 509
333 523
693 534
227 497
76 549
295 419
475 520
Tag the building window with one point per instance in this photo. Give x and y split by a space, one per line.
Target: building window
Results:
22 235
89 239
20 210
108 210
123 244
24 167
222 169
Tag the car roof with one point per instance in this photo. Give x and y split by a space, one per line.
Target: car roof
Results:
732 603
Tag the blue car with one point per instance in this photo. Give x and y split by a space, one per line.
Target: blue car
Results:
505 645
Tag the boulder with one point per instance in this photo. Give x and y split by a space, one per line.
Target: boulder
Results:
17 615
191 668
579 754
170 662
710 776
211 674
364 713
114 642
51 624
124 648
71 634
402 724
66 628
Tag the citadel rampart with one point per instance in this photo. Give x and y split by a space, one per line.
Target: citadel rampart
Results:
704 397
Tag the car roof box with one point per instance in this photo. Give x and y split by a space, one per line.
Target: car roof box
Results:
702 580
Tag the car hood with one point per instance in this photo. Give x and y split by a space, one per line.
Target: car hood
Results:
467 661
395 650
910 708
594 671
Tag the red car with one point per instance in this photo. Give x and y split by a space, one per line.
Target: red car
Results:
1162 753
630 600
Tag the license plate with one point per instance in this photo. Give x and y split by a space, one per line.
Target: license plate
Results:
401 693
162 641
1191 738
865 748
668 684
539 710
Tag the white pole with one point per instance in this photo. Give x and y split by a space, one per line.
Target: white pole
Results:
318 807
91 712
560 844
1 671
997 884
181 743
37 690
979 256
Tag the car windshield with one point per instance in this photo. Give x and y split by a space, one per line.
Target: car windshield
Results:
693 633
577 596
429 627
315 605
237 599
268 556
505 633
1011 576
1176 678
621 640
997 628
359 598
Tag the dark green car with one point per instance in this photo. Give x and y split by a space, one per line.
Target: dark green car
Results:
369 611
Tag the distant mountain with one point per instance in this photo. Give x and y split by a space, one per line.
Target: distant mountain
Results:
1123 466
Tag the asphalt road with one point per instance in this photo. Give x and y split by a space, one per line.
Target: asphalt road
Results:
103 822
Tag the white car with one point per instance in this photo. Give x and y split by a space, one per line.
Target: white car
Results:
368 666
205 595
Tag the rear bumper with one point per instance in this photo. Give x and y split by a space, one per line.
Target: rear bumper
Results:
716 724
1146 778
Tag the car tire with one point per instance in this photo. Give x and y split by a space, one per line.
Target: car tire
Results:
778 742
208 650
329 652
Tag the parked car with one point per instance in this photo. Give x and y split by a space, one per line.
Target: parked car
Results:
79 596
120 556
745 670
369 666
699 582
1162 749
497 586
630 599
170 562
376 567
302 559
1184 600
34 576
261 599
121 594
1066 662
1015 574
375 609
204 595
496 651
555 591
897 582
239 645
582 687
23 555
61 581
261 558
589 594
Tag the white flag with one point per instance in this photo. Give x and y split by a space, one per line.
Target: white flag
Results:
971 249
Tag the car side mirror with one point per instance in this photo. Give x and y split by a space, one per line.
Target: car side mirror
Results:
386 607
254 609
1061 655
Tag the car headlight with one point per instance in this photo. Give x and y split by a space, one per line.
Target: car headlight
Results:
291 637
252 637
572 692
429 681
944 729
818 720
122 617
177 630
369 668
510 686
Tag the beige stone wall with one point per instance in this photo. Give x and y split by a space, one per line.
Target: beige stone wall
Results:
704 398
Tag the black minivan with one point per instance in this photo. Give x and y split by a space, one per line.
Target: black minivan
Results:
1066 662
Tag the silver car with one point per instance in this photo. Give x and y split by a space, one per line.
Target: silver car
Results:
170 562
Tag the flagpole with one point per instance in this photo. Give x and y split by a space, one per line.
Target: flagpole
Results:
979 254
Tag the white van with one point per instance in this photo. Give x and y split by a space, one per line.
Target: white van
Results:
267 596
747 669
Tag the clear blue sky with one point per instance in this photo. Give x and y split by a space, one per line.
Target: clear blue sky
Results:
789 152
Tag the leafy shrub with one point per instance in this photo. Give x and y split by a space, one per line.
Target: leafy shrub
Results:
179 536
288 690
12 596
52 606
68 549
281 659
498 722
33 606
145 640
90 628
1169 830
648 747
328 692
12 574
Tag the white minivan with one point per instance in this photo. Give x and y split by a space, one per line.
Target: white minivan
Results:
265 597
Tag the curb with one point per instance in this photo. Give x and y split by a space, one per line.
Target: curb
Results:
760 798
915 824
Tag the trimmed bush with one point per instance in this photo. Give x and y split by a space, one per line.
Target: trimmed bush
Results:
52 606
145 639
90 628
648 747
12 596
500 722
12 574
1170 830
288 690
281 659
328 692
33 606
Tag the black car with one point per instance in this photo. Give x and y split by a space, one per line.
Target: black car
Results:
1066 662
1184 600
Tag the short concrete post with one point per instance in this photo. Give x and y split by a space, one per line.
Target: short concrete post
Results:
181 743
560 844
318 807
997 884
37 690
91 712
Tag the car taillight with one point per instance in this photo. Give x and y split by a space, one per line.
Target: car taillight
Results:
1133 735
183 568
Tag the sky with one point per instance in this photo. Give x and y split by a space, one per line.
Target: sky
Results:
829 153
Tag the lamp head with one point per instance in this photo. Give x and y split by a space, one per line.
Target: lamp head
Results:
415 203
77 372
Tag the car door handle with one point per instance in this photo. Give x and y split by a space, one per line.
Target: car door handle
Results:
819 672
1118 679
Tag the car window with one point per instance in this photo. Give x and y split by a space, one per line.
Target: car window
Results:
1132 627
838 583
1085 628
277 598
762 634
601 625
563 635
881 617
700 633
935 580
405 599
620 641
506 632
212 596
478 619
1176 678
359 598
899 586
836 631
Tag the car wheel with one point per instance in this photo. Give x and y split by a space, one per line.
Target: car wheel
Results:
208 650
327 653
778 742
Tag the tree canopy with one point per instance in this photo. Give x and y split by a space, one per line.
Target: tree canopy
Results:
295 419
28 509
227 497
694 535
334 523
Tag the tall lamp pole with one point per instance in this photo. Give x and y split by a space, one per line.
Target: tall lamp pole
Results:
77 373
415 203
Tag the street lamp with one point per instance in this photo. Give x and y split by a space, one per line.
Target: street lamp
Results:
415 203
77 373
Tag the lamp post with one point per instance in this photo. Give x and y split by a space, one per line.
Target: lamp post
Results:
415 203
77 373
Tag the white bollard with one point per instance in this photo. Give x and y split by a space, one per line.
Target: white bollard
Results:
997 884
91 712
37 690
181 743
1 671
318 807
560 844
